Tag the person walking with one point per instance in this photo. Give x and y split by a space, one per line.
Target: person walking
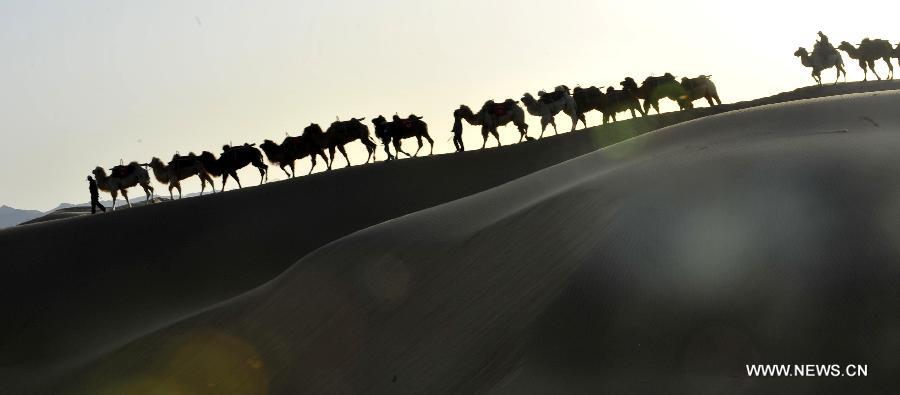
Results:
95 196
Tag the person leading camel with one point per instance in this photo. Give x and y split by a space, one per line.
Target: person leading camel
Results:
457 132
95 196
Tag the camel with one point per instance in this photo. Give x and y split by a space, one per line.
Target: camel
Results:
822 60
399 129
290 150
121 178
653 89
493 115
586 99
233 159
868 52
338 135
609 103
550 104
696 88
180 168
616 101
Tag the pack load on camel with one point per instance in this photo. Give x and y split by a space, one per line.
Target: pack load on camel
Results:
550 97
124 170
499 109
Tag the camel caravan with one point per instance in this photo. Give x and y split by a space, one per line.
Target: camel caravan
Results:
825 56
313 142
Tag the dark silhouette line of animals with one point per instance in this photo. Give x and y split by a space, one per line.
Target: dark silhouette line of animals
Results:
313 141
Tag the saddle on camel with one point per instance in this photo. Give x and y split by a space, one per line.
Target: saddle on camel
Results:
499 109
121 171
407 123
550 97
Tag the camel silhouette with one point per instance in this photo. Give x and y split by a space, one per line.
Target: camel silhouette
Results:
550 104
653 89
868 52
233 159
121 178
824 56
493 115
338 135
696 88
291 149
180 168
398 129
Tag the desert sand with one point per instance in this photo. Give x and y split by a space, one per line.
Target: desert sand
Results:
664 262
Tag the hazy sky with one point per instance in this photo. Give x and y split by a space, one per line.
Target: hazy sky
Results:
86 83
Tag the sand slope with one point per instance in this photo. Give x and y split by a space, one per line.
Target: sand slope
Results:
664 263
73 290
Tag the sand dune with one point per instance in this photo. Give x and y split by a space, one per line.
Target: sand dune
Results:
547 281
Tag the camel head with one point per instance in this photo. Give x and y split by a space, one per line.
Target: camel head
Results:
273 151
562 88
801 52
159 170
629 84
463 111
99 173
846 47
577 89
528 98
379 120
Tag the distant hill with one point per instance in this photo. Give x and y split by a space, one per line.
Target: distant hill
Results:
10 216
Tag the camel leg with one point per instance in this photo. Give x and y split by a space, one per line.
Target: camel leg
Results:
496 136
224 180
285 171
179 190
387 149
125 195
583 120
170 192
372 149
313 166
890 75
263 175
293 173
872 67
419 140
484 134
115 196
344 152
331 157
211 185
430 144
574 122
398 147
544 123
236 179
553 123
